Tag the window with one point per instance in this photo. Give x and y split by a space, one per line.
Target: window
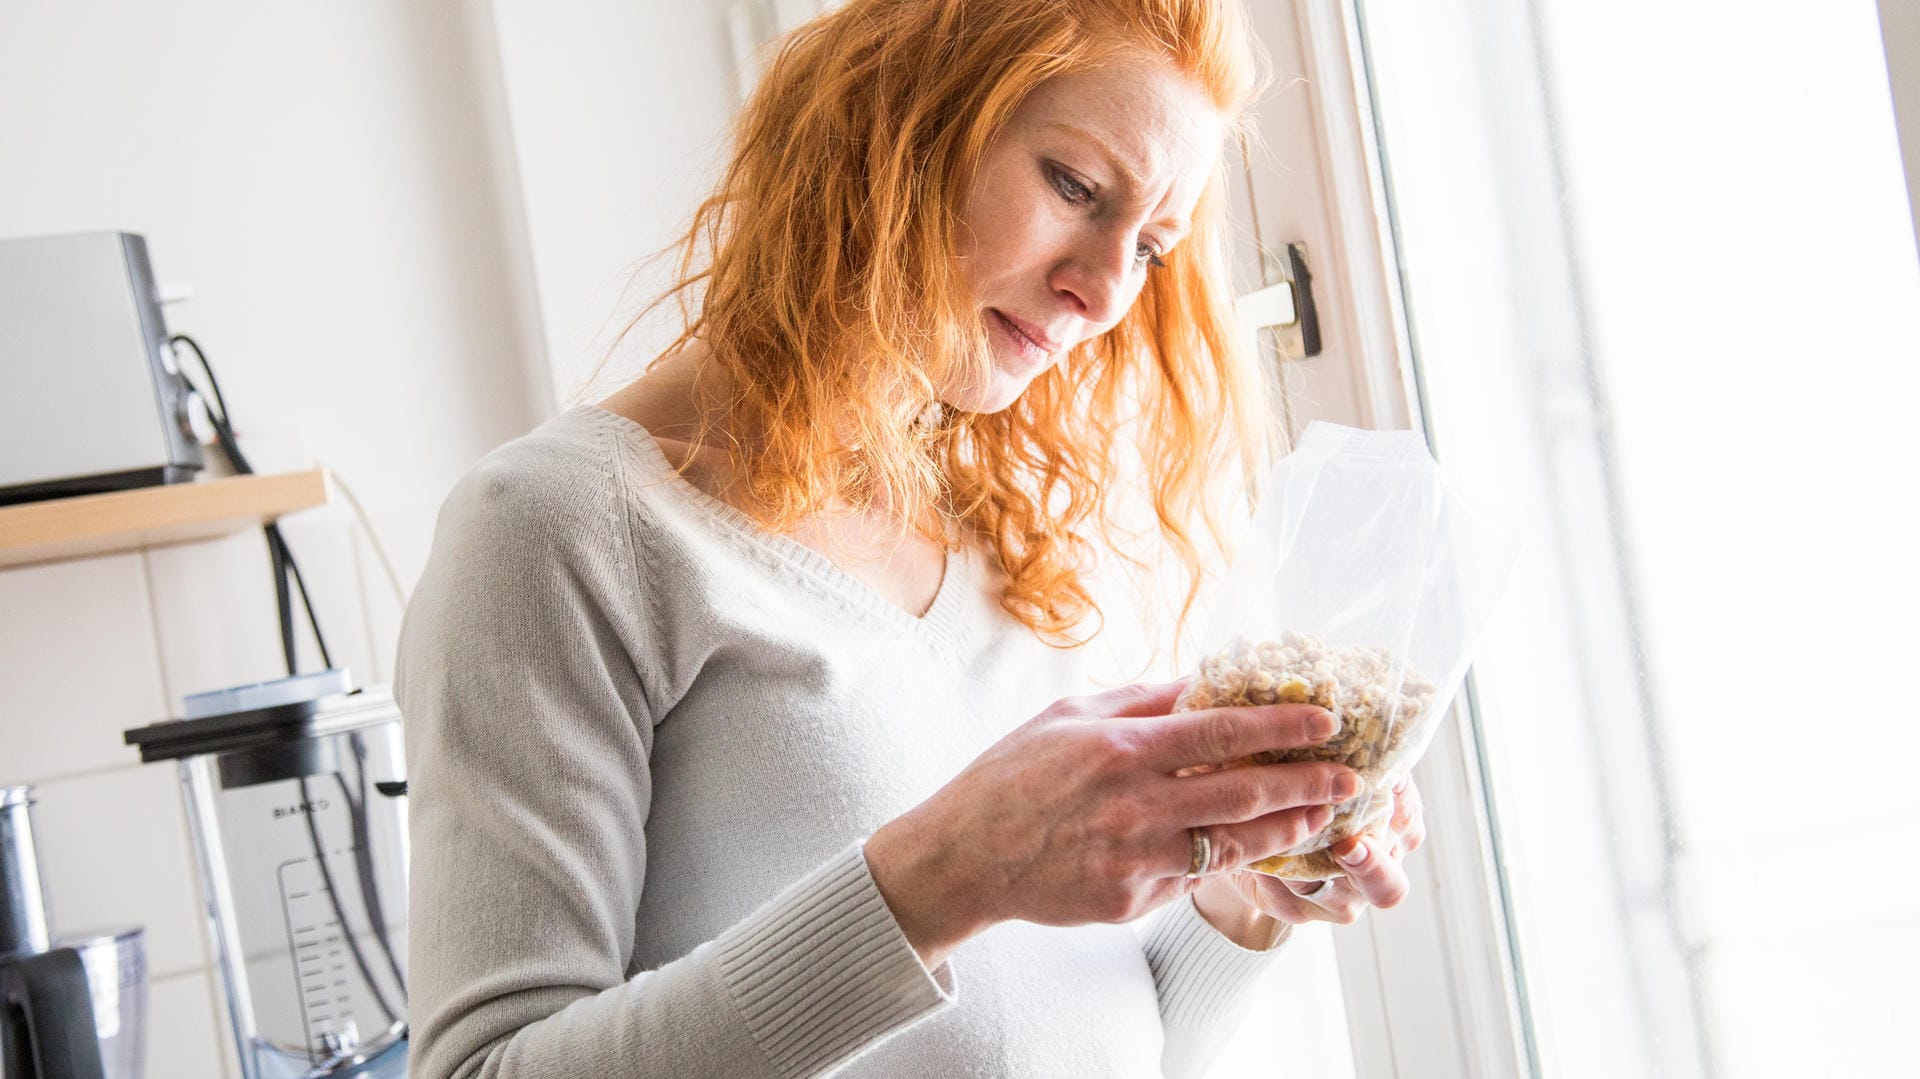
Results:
1662 303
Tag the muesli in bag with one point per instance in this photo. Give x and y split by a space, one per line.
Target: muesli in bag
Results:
1361 586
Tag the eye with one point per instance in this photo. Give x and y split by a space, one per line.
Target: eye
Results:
1069 186
1078 193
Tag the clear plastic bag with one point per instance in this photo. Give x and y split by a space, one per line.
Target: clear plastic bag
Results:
1362 585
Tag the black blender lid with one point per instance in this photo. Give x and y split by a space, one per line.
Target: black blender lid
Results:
250 728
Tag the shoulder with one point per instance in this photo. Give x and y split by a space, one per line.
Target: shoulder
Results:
551 496
554 473
530 581
532 546
554 535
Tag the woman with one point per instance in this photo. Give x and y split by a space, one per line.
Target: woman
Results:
694 676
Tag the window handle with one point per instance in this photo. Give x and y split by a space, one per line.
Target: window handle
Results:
1285 302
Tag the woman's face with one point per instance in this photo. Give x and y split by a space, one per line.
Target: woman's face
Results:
1094 179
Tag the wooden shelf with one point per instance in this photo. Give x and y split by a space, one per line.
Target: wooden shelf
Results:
87 525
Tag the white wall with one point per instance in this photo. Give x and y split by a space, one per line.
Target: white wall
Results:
619 111
341 185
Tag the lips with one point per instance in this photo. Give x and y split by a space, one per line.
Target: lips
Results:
1028 331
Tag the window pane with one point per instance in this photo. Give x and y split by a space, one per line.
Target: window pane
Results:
1661 282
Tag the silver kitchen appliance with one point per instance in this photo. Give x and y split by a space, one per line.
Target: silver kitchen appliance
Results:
296 794
90 397
72 1006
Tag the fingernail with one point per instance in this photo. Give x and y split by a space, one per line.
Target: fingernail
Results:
1345 786
1401 787
1324 726
1355 855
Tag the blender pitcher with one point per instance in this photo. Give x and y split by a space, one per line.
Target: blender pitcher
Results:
295 790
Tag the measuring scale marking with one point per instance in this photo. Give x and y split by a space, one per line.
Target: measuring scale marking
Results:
320 965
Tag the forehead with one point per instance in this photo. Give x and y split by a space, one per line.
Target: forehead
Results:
1160 131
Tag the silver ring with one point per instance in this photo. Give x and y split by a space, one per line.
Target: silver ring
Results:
1202 853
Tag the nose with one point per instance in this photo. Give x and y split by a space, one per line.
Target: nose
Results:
1097 278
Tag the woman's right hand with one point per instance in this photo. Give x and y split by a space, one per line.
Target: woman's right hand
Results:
1077 816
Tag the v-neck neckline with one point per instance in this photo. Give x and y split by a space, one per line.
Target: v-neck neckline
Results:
942 618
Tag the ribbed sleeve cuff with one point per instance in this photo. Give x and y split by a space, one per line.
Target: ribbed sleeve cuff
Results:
1198 973
822 972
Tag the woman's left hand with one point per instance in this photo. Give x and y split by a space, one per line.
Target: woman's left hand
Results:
1375 880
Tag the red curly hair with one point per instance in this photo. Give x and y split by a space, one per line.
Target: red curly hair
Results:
820 275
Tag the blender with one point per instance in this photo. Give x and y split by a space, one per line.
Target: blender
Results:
295 790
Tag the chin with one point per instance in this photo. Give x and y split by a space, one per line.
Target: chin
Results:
1014 366
1003 388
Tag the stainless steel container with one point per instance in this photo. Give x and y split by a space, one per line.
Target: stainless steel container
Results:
72 1006
23 901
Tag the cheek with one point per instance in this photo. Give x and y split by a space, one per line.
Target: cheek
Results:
1011 234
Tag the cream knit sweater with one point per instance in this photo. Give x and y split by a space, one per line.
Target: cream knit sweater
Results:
646 741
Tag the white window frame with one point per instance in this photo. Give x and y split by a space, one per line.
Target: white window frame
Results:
1430 987
1900 33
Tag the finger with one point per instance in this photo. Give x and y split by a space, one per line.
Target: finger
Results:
1137 700
1231 795
1409 821
1411 839
1408 810
1313 891
1217 735
1337 902
1376 875
1235 845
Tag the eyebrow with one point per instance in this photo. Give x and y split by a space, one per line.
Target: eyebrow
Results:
1128 177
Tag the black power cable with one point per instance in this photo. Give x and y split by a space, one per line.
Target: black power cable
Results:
326 881
363 855
284 566
277 549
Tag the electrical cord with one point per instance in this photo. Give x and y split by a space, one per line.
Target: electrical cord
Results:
284 566
333 894
373 540
363 855
277 550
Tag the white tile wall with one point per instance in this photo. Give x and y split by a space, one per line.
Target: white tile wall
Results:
77 666
213 603
407 535
92 647
187 1036
114 852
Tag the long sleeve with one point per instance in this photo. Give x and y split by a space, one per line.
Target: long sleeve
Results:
1204 982
524 678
